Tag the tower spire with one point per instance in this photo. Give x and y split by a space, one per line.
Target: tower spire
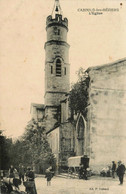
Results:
56 8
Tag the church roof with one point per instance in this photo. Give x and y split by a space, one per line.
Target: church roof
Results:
52 129
38 106
101 67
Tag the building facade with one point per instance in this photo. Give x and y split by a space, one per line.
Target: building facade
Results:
107 113
102 134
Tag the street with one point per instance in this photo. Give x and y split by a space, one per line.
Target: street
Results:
100 185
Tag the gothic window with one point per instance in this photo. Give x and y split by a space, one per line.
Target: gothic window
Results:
80 136
58 68
80 131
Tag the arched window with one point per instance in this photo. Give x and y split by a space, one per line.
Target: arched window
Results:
80 135
58 67
80 129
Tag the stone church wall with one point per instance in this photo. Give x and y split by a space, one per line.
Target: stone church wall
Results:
61 141
53 50
107 114
51 117
54 142
66 142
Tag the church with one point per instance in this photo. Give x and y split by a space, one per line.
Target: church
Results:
102 134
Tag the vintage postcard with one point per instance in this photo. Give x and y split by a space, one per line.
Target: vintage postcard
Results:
62 96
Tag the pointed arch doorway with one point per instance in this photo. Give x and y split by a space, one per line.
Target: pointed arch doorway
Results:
80 136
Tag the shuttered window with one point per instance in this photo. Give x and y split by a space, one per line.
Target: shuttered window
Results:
58 68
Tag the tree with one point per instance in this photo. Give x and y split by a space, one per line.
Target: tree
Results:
79 93
19 154
5 151
31 149
37 150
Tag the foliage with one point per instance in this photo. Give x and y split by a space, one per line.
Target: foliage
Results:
79 93
5 151
33 148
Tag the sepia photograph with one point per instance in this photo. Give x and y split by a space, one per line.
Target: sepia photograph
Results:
62 96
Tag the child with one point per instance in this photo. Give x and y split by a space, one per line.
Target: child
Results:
48 176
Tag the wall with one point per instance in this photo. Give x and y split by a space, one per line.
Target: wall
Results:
66 142
65 110
107 114
37 112
53 139
51 118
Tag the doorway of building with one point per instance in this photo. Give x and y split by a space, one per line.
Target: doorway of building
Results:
80 136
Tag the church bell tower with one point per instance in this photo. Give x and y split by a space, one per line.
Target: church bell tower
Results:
57 67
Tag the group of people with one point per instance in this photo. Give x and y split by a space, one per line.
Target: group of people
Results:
120 171
26 176
116 168
13 171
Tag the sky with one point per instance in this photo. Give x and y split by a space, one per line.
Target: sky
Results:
94 40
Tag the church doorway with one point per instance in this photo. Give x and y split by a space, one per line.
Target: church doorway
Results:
80 136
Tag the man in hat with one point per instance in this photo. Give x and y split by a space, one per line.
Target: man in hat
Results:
120 172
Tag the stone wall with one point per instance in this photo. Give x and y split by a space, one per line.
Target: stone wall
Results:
57 48
57 33
107 114
37 111
61 141
51 117
67 142
54 142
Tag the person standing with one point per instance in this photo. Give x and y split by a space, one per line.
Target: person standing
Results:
85 174
30 178
120 172
48 176
21 172
81 171
12 172
113 169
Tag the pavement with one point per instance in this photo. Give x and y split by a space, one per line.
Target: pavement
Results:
67 185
